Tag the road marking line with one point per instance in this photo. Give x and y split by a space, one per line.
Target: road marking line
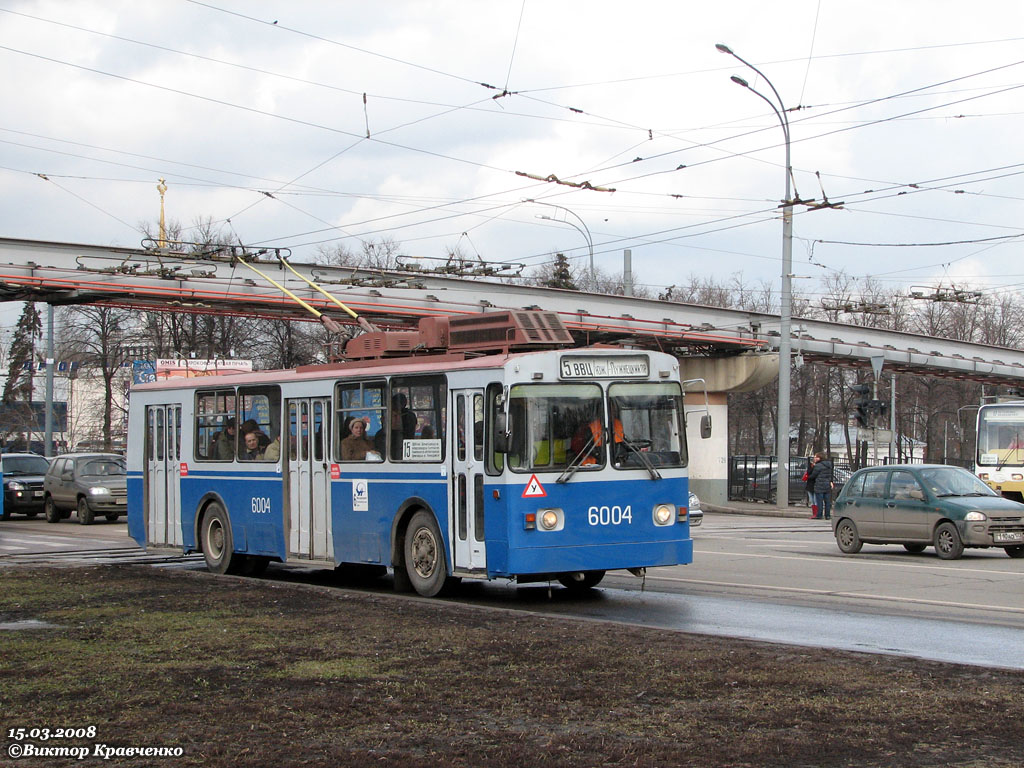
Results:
859 595
853 561
35 542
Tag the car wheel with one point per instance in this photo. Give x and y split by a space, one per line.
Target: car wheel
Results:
424 556
948 545
582 581
112 516
1015 552
847 537
218 544
53 514
85 515
915 548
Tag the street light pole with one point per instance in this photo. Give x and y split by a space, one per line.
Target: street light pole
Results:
786 304
582 229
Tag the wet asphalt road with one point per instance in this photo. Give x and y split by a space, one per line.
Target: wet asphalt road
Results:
768 579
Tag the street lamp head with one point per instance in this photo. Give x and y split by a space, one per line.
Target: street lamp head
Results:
724 48
740 81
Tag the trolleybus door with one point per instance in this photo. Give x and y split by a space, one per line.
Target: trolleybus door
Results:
163 475
466 519
309 478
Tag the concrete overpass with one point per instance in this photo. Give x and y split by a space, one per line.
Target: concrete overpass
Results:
218 281
733 350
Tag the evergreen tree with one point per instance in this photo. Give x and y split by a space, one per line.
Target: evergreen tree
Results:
18 387
561 274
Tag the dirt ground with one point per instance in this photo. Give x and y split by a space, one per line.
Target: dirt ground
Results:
236 672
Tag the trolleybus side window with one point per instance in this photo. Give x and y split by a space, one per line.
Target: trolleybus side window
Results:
361 401
159 434
418 418
478 427
259 411
495 458
460 419
215 412
651 415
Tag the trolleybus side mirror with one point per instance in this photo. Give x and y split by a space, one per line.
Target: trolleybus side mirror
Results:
705 426
501 433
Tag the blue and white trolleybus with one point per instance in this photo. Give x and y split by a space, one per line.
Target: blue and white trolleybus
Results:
524 464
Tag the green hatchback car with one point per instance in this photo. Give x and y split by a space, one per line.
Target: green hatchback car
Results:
918 505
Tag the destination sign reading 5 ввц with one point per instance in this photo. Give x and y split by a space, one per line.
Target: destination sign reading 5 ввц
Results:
605 367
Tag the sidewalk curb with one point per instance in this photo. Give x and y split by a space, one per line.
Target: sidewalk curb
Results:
761 510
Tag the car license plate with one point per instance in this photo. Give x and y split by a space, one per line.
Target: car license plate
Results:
37 494
1005 536
119 501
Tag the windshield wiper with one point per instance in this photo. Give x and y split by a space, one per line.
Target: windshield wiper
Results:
577 461
655 475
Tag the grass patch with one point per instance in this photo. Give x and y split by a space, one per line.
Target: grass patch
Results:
259 673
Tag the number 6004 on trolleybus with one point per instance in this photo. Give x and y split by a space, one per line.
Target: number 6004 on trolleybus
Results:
528 462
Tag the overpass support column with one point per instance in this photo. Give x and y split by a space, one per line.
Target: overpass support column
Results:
709 459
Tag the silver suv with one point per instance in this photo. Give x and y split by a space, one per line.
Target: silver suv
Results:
90 483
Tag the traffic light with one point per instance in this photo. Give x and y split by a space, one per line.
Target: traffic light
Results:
862 405
883 408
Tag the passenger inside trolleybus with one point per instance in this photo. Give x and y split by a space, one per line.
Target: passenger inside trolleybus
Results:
357 446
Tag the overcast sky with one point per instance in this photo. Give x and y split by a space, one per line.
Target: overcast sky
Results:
311 125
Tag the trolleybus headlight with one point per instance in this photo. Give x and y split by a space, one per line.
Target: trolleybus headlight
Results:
551 519
1017 476
983 475
663 514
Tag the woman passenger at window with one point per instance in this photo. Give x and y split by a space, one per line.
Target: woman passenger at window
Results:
357 446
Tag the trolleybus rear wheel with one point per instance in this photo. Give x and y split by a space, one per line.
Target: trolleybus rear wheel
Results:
217 540
424 556
581 581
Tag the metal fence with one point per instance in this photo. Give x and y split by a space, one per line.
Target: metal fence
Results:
756 478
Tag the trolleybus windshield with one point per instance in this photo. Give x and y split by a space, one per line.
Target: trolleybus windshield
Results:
1001 436
557 426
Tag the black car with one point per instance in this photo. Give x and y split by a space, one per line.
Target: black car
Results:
23 483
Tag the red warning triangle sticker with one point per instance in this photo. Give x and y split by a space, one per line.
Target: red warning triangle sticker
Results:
534 490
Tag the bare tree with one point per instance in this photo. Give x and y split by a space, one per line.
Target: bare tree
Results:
95 337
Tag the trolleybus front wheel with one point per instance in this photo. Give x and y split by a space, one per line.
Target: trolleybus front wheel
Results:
424 556
216 540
